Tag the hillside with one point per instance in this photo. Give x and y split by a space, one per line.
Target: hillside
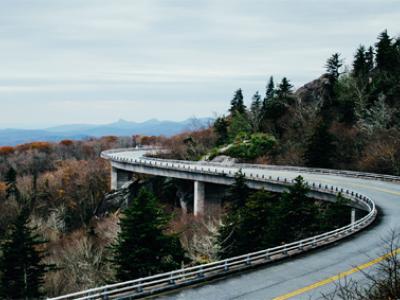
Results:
348 118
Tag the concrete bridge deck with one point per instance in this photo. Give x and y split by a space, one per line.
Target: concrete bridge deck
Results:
303 277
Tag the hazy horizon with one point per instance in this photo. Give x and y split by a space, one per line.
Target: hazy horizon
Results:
51 126
74 62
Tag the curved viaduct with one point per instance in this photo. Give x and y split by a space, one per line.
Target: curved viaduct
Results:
304 276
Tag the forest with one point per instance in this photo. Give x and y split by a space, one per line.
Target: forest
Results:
348 118
55 231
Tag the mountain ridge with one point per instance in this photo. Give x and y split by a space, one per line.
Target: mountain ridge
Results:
12 136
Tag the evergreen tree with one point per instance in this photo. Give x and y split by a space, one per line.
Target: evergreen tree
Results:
336 215
266 112
321 149
285 89
247 229
239 126
237 103
22 270
256 112
256 104
385 53
221 130
296 213
333 65
369 59
360 68
270 92
267 220
239 191
11 181
143 247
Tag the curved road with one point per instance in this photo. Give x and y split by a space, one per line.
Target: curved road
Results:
309 275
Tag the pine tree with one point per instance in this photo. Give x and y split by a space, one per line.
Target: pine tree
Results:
333 65
256 104
270 92
321 149
370 59
143 247
239 191
336 215
296 213
385 53
247 229
22 269
11 181
360 68
237 103
269 97
239 126
285 89
256 111
221 130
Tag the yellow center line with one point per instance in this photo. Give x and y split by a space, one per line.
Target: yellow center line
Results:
337 277
348 272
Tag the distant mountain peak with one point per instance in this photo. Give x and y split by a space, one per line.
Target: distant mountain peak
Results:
122 121
78 131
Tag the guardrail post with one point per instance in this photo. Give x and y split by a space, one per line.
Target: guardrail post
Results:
314 243
267 256
171 279
139 288
248 260
200 274
104 296
226 267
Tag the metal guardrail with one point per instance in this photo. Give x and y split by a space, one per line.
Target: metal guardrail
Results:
347 173
185 276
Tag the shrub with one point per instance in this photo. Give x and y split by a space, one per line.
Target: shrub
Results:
259 144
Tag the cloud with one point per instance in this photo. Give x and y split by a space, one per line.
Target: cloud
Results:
186 53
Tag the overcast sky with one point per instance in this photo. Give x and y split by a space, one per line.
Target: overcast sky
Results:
74 61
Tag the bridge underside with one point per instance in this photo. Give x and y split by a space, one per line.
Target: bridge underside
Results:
121 173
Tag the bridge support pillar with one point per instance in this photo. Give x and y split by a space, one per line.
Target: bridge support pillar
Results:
119 178
199 198
114 178
353 215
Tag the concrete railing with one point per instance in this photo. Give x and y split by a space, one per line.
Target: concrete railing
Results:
190 275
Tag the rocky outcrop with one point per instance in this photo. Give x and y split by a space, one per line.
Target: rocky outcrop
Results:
115 200
316 92
225 160
119 199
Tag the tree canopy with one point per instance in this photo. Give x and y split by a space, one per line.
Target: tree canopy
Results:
143 246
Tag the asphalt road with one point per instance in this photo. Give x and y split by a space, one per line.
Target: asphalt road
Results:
305 277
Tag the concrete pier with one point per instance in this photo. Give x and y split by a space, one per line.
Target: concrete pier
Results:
199 198
119 178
